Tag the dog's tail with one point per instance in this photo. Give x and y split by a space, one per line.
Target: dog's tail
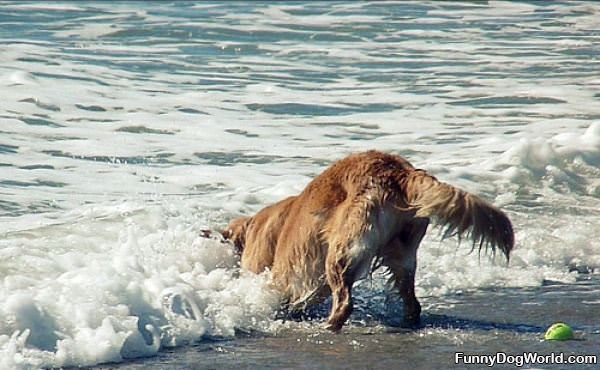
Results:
462 213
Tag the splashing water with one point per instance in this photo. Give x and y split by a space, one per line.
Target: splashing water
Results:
126 129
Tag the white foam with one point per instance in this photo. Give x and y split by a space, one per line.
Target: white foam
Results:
126 291
119 143
45 6
566 161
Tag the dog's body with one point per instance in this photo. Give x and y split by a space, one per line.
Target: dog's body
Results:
365 207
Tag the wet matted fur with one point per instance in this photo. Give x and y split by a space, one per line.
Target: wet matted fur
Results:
368 206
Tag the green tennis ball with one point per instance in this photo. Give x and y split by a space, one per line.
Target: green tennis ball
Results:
559 331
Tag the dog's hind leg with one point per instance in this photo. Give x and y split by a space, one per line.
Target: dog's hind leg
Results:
341 291
400 255
352 242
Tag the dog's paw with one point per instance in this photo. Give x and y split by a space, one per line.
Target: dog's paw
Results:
333 327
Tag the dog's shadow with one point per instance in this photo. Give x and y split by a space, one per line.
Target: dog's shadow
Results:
453 322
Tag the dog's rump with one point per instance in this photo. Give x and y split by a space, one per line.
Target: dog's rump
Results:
359 209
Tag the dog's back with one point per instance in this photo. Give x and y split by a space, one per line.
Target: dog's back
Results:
365 206
289 237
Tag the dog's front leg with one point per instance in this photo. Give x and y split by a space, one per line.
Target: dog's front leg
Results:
339 281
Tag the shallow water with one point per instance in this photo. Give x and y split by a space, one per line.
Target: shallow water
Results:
510 321
126 128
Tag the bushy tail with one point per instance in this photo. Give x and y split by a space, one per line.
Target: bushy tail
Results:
462 214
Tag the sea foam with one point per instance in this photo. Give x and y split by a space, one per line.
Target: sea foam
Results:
128 128
124 295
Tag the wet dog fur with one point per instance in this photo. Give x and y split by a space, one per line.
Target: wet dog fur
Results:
367 207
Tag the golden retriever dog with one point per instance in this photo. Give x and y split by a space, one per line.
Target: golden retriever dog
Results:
368 209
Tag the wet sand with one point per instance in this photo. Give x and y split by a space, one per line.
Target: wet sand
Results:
484 322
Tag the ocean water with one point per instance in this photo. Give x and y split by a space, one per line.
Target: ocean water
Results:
128 127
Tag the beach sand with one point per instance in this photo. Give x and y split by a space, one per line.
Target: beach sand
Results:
512 321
